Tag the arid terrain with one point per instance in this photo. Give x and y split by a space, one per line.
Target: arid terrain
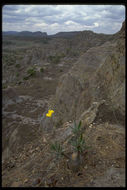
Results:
80 77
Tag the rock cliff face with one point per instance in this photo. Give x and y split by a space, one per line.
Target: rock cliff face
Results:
99 74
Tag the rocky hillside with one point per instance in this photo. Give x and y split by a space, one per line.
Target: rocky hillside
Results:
99 74
20 53
87 86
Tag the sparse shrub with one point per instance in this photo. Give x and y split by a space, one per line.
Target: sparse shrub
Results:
17 74
62 55
31 72
26 78
19 82
76 129
10 63
17 65
57 149
68 50
77 142
45 41
74 54
54 59
4 86
57 59
41 69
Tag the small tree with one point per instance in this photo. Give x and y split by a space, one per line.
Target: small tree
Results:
31 72
77 142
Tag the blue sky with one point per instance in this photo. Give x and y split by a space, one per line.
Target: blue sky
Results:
56 18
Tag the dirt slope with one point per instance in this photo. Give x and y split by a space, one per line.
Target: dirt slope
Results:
92 90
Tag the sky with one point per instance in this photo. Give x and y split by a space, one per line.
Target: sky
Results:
59 18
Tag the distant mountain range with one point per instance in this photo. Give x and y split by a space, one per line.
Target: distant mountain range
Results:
66 34
42 34
25 33
57 35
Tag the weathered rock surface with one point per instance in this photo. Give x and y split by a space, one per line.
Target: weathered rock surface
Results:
99 74
9 97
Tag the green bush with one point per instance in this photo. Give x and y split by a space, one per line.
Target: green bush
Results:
10 63
57 148
19 82
17 74
76 129
62 55
17 65
54 59
4 86
41 70
26 78
78 144
74 54
31 72
45 41
77 141
68 50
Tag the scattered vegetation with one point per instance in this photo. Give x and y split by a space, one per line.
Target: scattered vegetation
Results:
41 70
57 148
55 59
8 43
77 142
19 82
26 78
17 74
4 86
17 65
62 55
75 54
45 40
68 50
10 63
31 72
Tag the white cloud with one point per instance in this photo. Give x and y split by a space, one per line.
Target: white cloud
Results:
56 18
70 22
54 25
96 24
41 25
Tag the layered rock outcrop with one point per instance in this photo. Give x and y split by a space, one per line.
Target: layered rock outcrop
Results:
99 74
